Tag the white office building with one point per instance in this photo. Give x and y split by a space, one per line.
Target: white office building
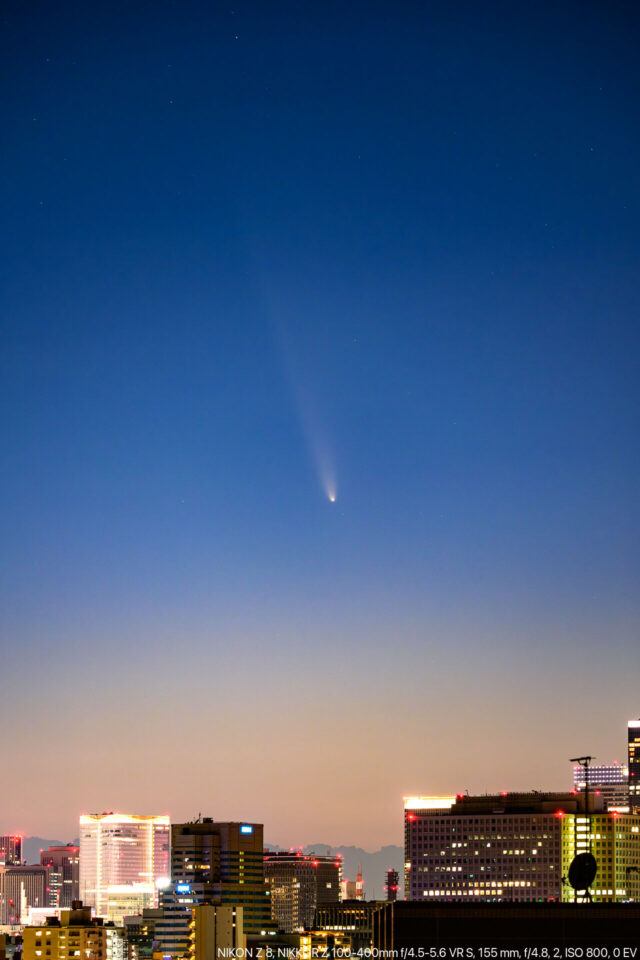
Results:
124 859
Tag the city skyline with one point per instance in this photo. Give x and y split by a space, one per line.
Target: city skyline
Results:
320 400
608 768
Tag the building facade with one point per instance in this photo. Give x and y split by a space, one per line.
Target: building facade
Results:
614 840
610 781
22 887
64 874
215 931
392 884
75 934
504 847
140 934
297 884
10 850
633 745
213 863
124 858
351 918
519 847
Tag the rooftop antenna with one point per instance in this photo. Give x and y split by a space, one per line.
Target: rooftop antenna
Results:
584 762
583 867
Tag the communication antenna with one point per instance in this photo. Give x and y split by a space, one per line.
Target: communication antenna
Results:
584 866
584 762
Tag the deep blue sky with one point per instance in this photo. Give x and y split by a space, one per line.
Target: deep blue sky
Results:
246 245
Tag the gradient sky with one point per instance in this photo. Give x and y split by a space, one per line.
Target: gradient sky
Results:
250 250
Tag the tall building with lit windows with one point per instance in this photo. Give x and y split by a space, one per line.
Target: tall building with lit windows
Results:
634 762
614 840
10 850
64 874
610 781
503 847
124 858
212 863
297 884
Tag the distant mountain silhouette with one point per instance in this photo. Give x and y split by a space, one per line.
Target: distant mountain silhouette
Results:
374 865
31 847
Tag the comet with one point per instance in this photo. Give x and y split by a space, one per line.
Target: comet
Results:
312 423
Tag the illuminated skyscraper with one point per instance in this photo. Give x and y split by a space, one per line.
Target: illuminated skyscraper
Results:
64 874
298 884
10 850
634 762
123 860
227 859
212 863
610 780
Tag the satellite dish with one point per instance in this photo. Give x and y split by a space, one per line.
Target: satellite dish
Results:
582 871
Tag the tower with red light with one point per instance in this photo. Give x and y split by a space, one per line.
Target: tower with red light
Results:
391 885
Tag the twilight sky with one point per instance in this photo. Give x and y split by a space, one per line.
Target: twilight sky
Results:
254 253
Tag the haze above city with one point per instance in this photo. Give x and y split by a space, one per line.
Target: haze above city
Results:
320 402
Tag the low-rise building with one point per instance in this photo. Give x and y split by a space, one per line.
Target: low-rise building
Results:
75 934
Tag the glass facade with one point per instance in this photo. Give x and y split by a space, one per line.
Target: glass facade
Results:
123 858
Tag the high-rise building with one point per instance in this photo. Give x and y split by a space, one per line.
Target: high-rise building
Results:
214 930
22 887
391 885
10 850
64 874
633 735
213 863
75 934
297 884
124 858
610 781
504 847
518 847
614 840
